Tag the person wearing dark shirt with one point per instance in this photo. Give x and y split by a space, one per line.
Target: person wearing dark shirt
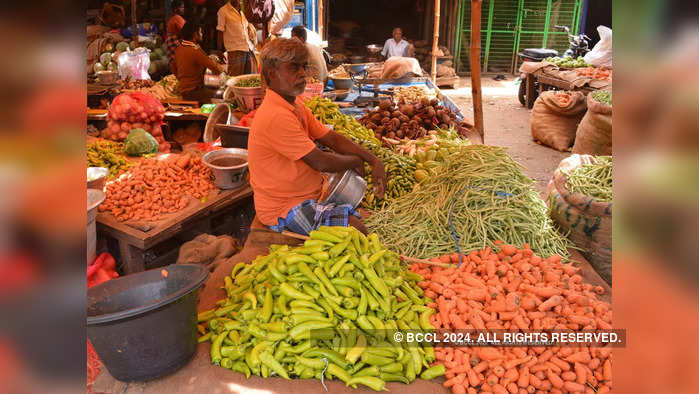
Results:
190 64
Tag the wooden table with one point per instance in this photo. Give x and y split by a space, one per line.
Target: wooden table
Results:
195 114
135 239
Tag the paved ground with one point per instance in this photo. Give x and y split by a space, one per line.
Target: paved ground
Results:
506 124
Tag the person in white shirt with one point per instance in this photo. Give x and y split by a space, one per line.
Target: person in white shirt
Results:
397 46
318 68
238 37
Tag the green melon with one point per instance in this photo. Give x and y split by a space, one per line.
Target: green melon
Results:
122 46
106 58
160 52
113 66
98 67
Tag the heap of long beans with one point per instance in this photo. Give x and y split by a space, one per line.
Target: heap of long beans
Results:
492 200
593 180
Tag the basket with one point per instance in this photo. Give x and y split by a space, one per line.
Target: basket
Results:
247 99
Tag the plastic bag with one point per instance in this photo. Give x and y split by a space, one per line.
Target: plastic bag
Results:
601 53
134 64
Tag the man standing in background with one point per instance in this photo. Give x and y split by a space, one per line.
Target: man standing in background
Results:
238 37
397 46
319 70
174 27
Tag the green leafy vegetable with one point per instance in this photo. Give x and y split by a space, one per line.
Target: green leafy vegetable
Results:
139 142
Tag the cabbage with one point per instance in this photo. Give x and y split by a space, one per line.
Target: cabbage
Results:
139 142
98 67
113 66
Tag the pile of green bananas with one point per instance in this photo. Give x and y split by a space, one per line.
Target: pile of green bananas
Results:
327 309
399 169
567 62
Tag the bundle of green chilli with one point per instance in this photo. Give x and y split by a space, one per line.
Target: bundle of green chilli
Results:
484 194
323 310
399 168
594 180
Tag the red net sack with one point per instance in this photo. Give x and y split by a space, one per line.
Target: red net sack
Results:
134 110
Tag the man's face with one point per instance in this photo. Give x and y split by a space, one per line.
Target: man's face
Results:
397 35
289 79
180 10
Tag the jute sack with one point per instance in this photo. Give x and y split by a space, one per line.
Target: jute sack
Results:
594 136
553 123
587 221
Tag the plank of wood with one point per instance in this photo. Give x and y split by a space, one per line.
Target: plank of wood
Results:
172 223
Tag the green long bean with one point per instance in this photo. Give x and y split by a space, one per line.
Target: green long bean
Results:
498 202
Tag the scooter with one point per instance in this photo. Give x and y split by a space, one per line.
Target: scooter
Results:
579 45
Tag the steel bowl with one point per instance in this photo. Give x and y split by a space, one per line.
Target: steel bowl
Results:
227 177
373 49
107 76
342 83
96 177
346 188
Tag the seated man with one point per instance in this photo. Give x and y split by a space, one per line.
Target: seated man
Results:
397 46
189 64
285 164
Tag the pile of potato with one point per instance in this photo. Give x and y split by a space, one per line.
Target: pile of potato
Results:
411 121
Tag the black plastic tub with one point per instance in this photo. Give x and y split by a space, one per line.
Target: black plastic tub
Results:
143 325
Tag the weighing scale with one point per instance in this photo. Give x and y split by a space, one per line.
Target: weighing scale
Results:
359 73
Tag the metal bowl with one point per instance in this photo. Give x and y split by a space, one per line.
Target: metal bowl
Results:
356 59
96 177
227 177
346 188
107 76
342 83
373 49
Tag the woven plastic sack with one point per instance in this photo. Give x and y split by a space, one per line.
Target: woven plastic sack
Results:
594 135
587 222
554 124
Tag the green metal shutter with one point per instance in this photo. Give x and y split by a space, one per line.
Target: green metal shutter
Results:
510 25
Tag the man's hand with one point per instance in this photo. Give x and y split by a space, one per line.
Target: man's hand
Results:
378 178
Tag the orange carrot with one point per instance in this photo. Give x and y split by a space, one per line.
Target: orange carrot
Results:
555 380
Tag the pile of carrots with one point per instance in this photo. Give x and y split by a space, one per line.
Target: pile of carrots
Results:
515 289
563 98
156 187
595 72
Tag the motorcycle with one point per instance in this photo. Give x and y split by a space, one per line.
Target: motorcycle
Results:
579 45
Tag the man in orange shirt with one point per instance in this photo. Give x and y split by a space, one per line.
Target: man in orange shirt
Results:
285 164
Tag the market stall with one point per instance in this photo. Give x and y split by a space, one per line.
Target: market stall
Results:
460 241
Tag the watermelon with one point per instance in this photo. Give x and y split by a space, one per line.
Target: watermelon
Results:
105 58
98 67
160 52
132 45
153 56
122 46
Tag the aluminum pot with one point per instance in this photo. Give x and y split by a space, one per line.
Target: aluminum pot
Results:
346 188
227 177
96 177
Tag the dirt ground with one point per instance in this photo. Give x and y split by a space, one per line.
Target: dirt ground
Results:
506 124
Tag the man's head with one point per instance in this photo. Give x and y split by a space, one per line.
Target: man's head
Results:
178 7
397 34
300 33
190 32
284 63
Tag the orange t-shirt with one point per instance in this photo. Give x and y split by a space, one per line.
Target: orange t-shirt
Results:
280 135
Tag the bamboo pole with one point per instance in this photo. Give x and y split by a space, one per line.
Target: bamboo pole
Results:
435 42
133 21
320 19
475 60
